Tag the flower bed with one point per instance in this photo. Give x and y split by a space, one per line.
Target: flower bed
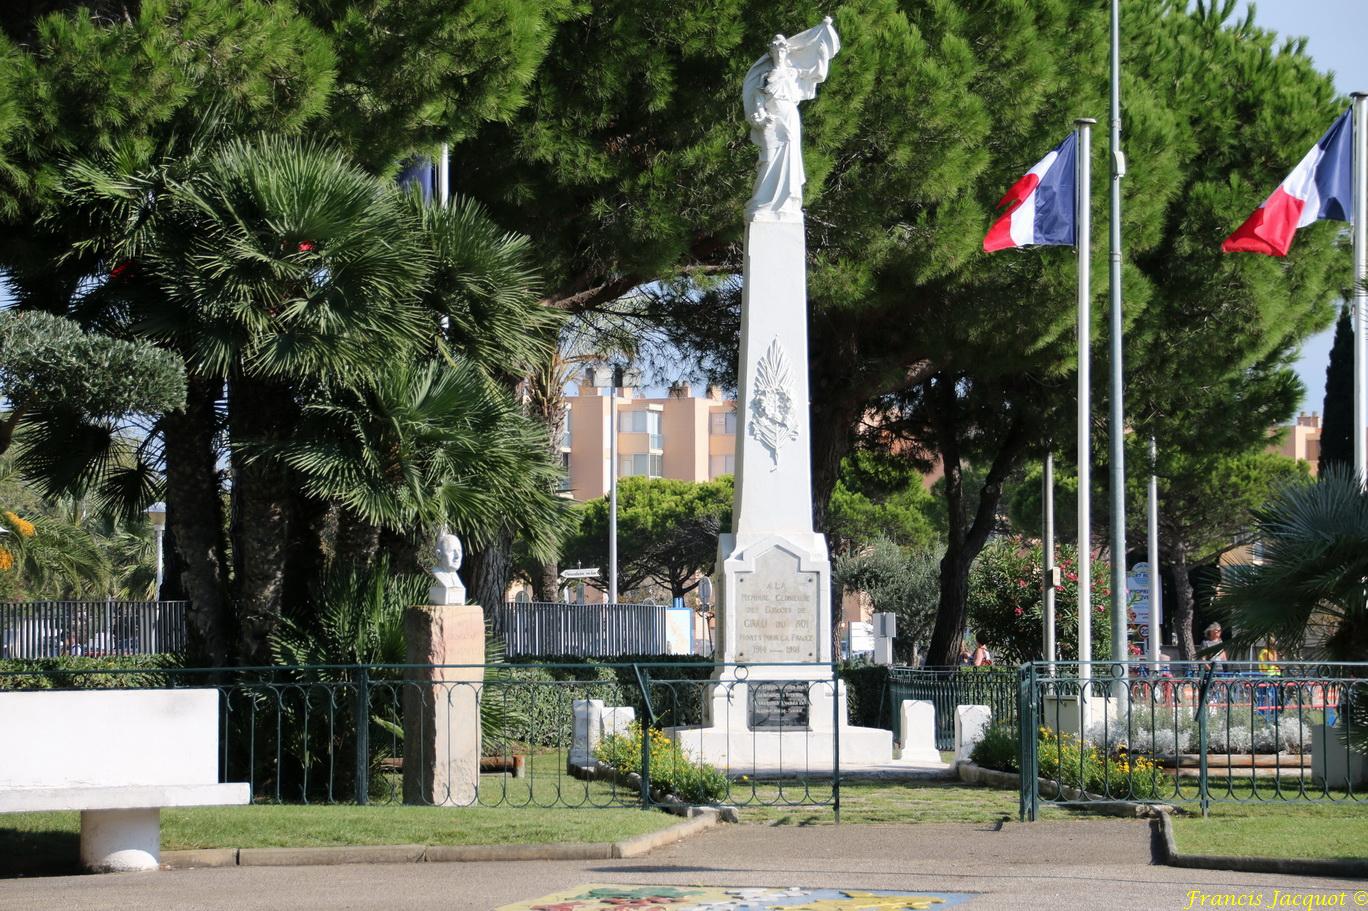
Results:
672 771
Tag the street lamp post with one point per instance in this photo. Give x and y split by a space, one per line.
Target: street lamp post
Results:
157 514
151 632
613 379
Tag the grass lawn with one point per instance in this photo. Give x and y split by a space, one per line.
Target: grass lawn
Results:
544 806
882 802
1297 829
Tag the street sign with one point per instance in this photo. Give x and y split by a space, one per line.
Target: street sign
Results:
705 590
1138 595
589 573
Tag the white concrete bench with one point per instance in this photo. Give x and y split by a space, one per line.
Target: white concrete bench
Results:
118 756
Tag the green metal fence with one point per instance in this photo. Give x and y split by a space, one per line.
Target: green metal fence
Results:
949 688
354 733
1193 733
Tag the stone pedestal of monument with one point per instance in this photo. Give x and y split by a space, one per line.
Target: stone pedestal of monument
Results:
775 705
442 704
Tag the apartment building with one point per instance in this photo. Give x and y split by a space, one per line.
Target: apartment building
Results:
1302 441
681 436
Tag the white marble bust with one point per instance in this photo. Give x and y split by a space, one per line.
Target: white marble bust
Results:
447 587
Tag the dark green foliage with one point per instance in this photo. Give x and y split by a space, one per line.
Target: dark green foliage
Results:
867 695
904 581
667 532
306 297
413 73
676 684
999 749
358 619
143 671
880 495
49 366
1337 422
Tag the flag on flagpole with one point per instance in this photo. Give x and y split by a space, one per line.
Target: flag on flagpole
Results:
1040 206
1321 187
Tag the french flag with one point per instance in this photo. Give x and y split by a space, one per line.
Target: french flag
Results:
1040 206
1320 187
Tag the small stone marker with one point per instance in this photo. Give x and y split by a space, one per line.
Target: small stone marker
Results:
588 729
617 719
970 723
918 725
442 704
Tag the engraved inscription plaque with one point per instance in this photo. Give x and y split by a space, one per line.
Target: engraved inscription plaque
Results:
778 705
776 610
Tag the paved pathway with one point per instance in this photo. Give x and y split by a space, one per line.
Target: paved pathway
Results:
1048 865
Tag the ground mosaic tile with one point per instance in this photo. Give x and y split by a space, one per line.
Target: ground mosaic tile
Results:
598 897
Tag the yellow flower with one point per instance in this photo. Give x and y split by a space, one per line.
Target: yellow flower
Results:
6 560
22 526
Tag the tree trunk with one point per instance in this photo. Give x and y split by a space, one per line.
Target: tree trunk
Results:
546 582
194 515
490 568
357 541
948 633
964 539
1184 604
259 412
311 550
172 587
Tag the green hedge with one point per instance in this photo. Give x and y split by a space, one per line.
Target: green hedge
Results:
88 673
867 695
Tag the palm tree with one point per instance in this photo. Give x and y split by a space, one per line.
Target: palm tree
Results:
1312 586
307 299
425 445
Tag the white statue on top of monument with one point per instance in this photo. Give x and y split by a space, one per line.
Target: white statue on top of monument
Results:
447 587
788 74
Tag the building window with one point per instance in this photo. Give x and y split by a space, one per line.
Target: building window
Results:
719 465
642 464
722 423
565 472
565 434
639 421
647 422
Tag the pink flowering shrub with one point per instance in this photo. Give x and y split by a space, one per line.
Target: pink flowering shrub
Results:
1005 602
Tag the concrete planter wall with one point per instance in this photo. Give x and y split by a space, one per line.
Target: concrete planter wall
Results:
1333 764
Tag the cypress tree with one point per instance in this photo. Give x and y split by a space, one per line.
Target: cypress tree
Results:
1337 440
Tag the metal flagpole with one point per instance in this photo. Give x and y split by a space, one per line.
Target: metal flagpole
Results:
1360 298
444 176
1118 452
613 490
1048 576
1156 585
1083 229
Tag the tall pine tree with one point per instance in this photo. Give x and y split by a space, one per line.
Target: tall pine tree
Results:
1337 439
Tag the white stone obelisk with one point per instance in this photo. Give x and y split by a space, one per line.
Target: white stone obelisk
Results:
775 702
774 605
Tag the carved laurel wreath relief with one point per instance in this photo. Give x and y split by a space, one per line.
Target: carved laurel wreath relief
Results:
772 412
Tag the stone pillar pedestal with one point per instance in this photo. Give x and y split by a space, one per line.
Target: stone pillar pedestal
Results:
121 841
442 704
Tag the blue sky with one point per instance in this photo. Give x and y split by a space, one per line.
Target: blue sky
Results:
1335 31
